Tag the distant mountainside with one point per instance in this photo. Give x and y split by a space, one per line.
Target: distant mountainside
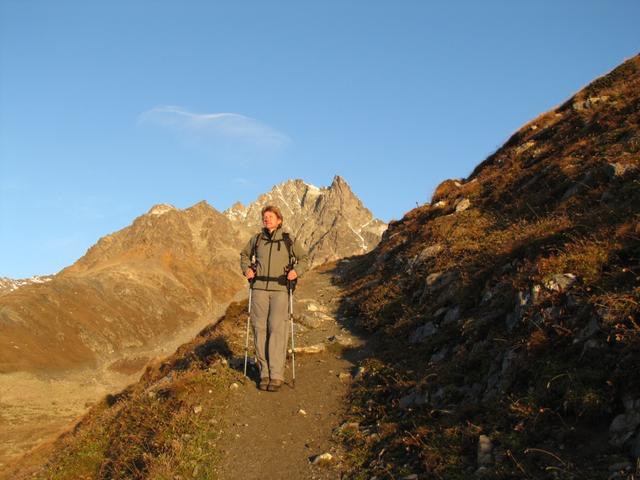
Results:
330 222
162 278
11 284
170 270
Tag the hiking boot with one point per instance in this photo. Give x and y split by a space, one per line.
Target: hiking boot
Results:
274 385
264 383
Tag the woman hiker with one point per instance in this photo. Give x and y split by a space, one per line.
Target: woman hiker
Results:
270 259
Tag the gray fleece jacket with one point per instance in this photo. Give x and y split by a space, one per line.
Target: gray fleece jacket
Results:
272 258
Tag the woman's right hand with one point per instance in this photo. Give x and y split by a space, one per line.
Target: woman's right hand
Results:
249 273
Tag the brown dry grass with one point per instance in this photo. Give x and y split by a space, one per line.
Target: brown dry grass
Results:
162 427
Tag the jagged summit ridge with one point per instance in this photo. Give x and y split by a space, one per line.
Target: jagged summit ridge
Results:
160 208
331 222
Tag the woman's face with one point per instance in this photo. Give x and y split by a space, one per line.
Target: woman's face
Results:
270 221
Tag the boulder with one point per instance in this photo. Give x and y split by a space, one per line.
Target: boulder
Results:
440 355
452 315
620 169
430 252
420 333
407 400
463 204
485 451
561 282
588 331
439 280
623 427
311 349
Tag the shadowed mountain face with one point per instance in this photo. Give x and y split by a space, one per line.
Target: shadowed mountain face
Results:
163 278
507 310
330 222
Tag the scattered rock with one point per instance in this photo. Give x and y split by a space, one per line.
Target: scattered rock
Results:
588 331
318 348
523 299
482 471
592 345
623 427
348 427
234 386
441 311
359 373
580 105
635 447
463 205
452 315
561 282
322 459
485 449
197 409
311 320
342 340
630 404
430 252
344 377
302 412
572 191
439 280
407 401
420 333
620 169
607 196
440 355
620 467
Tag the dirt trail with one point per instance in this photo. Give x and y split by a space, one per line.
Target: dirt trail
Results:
277 435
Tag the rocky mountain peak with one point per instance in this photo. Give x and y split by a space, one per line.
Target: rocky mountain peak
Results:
161 208
331 222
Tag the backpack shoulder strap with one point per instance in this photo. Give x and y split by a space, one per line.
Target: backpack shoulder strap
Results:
254 248
289 244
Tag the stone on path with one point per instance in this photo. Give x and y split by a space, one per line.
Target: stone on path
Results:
318 348
323 459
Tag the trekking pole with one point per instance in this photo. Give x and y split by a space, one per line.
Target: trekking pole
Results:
246 343
293 343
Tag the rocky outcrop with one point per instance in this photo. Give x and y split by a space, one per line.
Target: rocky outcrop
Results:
330 222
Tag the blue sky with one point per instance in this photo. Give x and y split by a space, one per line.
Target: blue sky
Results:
107 108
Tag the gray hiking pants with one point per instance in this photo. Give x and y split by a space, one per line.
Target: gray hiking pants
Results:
269 311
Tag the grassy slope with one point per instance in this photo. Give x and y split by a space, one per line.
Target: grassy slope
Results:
164 427
543 379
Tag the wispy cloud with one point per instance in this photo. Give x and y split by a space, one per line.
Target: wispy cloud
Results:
204 127
242 181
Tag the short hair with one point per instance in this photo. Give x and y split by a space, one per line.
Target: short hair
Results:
272 209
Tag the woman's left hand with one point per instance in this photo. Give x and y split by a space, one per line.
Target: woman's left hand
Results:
292 275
